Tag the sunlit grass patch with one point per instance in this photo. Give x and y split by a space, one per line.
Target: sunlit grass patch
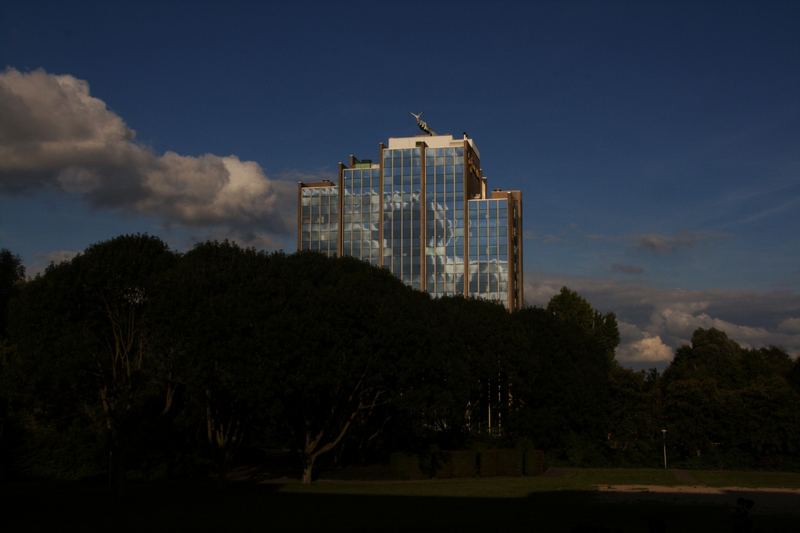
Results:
591 477
747 478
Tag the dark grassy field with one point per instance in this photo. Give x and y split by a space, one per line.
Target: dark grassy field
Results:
566 501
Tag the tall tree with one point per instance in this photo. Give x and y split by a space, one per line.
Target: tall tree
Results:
730 404
568 351
215 328
569 307
353 332
633 416
12 272
81 330
462 378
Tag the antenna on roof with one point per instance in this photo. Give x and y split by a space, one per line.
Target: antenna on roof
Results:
422 124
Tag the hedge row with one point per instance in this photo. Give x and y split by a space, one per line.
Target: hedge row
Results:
468 463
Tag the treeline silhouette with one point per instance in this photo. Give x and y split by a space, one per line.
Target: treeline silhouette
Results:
133 361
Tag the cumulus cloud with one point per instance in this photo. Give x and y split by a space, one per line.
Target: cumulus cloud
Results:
647 350
636 346
54 133
790 325
680 325
653 322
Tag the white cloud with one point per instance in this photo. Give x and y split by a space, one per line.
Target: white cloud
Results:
647 350
54 133
653 320
680 324
790 325
541 292
637 346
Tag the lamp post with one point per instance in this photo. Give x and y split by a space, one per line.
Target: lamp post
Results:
664 441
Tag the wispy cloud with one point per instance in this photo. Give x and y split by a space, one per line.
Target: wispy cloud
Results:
768 211
650 242
55 134
754 203
565 233
667 243
627 269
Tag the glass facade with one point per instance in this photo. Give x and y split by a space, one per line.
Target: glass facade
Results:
444 221
488 249
402 190
424 214
361 213
319 219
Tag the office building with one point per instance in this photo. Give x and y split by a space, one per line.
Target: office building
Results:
424 212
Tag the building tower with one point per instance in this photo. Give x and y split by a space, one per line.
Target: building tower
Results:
423 211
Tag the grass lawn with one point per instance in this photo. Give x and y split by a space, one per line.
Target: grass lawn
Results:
570 479
747 478
492 487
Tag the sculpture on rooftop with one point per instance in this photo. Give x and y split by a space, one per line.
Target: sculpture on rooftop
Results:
422 124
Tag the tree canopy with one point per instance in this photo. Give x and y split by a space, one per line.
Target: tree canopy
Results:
134 360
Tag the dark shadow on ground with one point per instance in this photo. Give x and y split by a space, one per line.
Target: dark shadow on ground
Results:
250 507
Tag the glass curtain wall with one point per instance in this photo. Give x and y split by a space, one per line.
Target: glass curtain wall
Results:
488 254
444 232
361 214
402 187
319 219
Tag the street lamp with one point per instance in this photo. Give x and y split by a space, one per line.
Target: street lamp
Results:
664 440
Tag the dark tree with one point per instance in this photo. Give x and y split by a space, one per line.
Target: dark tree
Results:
461 383
132 358
12 273
727 405
693 412
564 380
350 332
81 331
633 417
216 328
571 308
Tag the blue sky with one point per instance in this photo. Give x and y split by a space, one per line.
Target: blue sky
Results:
657 145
